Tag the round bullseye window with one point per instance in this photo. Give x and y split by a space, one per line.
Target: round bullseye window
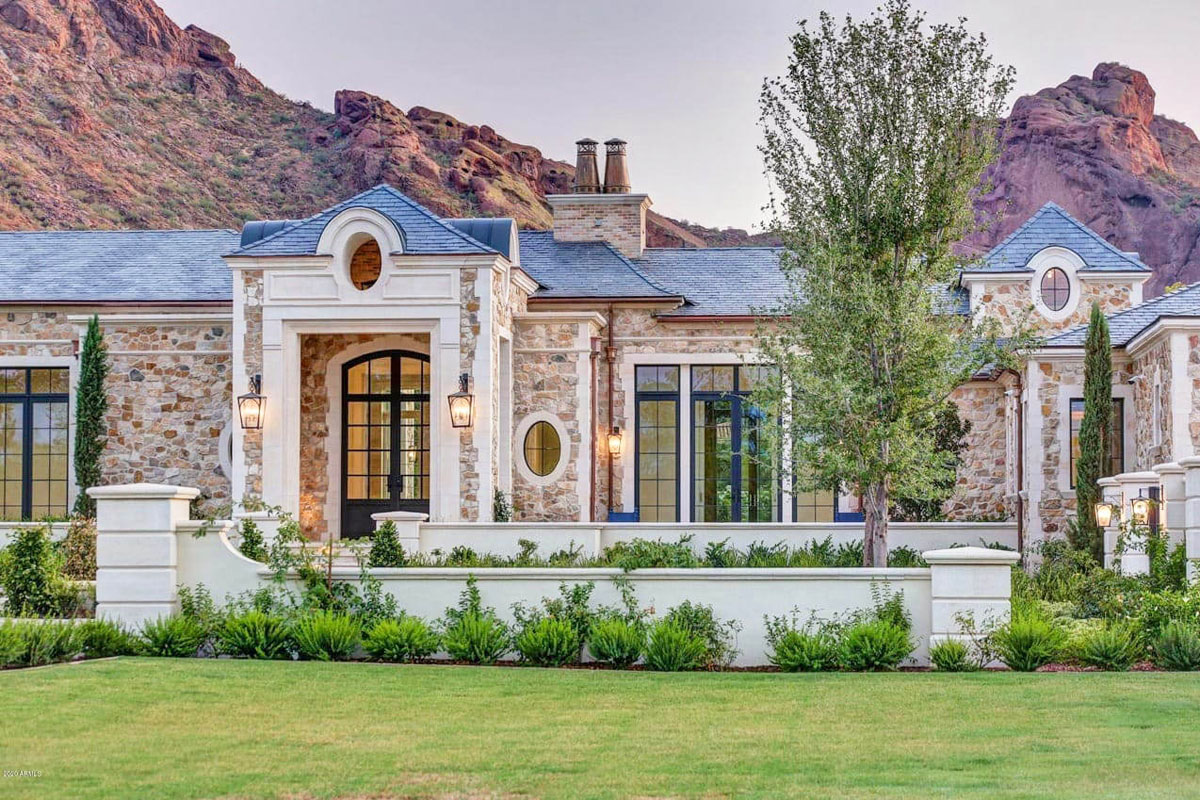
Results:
1056 289
543 448
365 265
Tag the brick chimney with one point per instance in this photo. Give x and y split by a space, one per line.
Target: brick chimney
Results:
593 213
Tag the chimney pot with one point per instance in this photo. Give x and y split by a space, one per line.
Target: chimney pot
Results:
616 170
587 173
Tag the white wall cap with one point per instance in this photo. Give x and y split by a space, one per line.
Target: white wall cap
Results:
1137 477
400 516
1189 461
139 491
971 555
1169 468
1107 482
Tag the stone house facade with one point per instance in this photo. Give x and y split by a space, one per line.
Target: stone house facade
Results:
604 379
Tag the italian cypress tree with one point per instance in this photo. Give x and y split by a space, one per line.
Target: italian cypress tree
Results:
1095 433
91 404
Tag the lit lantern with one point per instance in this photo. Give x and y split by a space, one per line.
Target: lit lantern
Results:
1104 512
1141 510
250 405
614 441
462 404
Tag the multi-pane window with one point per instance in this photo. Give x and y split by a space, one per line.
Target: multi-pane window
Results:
814 506
734 478
34 442
657 446
1116 438
387 454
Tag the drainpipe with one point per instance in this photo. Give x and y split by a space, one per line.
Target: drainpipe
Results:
610 356
1020 461
594 391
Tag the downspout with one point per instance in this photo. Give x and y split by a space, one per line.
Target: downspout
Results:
1020 461
610 356
594 391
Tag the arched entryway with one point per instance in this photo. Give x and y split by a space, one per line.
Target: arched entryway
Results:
385 437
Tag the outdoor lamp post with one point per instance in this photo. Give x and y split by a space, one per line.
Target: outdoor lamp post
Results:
1104 512
614 441
462 404
250 405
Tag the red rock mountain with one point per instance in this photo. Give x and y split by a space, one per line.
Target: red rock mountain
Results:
113 116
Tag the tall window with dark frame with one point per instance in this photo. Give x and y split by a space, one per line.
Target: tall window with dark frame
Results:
35 429
733 477
657 443
1116 438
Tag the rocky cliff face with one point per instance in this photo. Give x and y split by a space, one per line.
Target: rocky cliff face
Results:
113 116
1095 146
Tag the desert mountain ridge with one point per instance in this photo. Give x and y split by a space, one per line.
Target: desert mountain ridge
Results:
115 117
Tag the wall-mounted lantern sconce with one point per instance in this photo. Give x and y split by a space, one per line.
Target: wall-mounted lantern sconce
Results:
462 404
614 441
1141 510
1104 512
250 405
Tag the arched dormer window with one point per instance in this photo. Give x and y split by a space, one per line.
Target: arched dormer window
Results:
1055 284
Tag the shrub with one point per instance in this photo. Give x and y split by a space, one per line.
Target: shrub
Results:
646 554
572 606
875 645
385 547
477 639
1028 641
674 648
1178 647
173 637
794 650
198 605
1113 647
31 576
101 638
719 637
406 639
44 642
502 509
327 636
549 642
255 634
12 643
617 642
79 550
951 655
253 545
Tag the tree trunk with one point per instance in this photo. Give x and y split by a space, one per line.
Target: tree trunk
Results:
875 527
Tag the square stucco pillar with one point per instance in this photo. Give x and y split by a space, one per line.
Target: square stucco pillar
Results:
1191 514
1173 482
968 581
136 551
408 527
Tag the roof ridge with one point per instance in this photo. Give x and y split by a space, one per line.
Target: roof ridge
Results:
1086 230
423 210
1047 206
120 230
299 222
629 263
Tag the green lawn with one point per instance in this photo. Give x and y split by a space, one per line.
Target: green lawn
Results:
204 728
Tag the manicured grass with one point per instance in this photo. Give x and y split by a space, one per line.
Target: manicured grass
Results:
184 728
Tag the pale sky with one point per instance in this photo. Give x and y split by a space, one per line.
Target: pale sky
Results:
678 79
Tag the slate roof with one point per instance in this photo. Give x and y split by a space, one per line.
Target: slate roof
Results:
495 232
117 266
584 270
1125 325
424 233
1052 226
717 281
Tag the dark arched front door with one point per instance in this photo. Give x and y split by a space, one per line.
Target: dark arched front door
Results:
385 437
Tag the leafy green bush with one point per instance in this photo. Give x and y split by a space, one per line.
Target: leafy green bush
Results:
876 645
173 637
253 545
79 550
1177 647
674 648
402 640
1114 647
795 650
101 638
1028 641
12 642
32 578
549 642
951 655
385 547
617 642
572 606
477 639
45 642
646 554
255 634
327 636
719 637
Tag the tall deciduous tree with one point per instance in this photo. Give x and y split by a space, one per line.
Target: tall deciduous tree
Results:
91 405
1095 434
876 138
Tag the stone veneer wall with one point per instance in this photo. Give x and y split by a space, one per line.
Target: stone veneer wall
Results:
48 333
546 379
621 224
982 487
252 443
1010 304
468 451
169 399
1146 453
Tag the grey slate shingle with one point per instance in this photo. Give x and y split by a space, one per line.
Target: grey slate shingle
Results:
119 266
1124 325
583 269
424 233
719 281
1052 226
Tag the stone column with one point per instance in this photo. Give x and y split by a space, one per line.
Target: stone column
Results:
1191 530
408 527
136 552
974 581
1110 492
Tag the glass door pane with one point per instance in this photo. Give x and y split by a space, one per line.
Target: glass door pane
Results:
12 457
759 487
712 463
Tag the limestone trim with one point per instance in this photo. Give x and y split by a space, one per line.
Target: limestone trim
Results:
591 199
190 318
523 427
1165 324
1056 258
344 233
